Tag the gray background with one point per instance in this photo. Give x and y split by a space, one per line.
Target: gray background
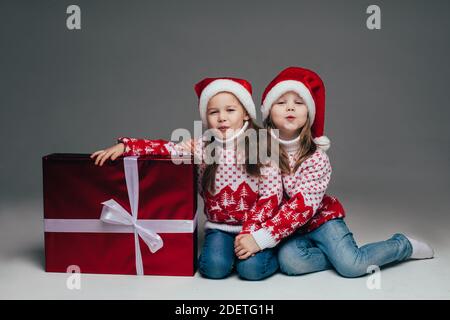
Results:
132 67
130 71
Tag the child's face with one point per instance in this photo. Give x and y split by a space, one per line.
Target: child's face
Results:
289 114
225 112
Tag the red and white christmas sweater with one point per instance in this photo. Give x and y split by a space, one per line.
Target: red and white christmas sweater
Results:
239 201
306 206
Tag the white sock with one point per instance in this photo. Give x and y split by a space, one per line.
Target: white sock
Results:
421 250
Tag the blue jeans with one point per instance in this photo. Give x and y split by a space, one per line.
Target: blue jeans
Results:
218 258
332 246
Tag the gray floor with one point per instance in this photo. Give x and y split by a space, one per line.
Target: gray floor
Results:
22 275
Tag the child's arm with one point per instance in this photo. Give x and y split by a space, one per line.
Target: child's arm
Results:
138 147
310 187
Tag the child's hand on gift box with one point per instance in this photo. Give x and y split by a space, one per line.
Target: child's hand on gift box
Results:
245 246
112 152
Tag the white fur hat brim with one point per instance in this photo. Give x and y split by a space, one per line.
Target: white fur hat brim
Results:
285 86
226 85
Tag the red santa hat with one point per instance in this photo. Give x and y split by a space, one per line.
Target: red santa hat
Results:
209 87
308 85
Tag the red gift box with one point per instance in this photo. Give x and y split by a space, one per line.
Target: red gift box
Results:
134 215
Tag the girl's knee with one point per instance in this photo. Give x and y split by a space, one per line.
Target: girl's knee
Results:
257 268
293 261
215 268
288 263
250 273
350 270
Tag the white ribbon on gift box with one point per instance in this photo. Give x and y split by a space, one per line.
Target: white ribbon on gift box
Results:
115 219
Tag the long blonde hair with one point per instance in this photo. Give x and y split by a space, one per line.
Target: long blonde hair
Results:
306 147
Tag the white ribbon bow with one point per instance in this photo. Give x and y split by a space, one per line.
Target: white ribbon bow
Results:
114 213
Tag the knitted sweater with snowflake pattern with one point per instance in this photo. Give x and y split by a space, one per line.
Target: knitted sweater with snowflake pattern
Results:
239 200
307 206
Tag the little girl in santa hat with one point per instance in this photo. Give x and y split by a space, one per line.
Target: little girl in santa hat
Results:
235 195
294 103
